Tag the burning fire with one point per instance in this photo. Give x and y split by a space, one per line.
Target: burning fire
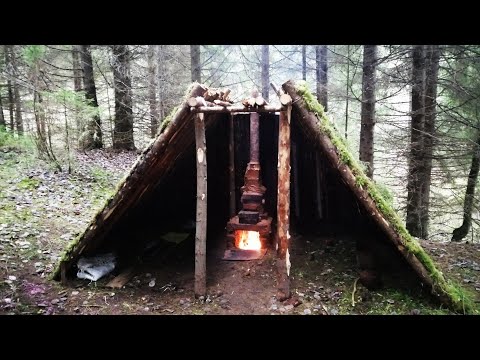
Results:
247 240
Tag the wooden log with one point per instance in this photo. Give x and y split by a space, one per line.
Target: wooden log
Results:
197 101
309 121
236 109
211 94
221 103
226 95
283 206
260 101
200 286
285 99
231 168
120 280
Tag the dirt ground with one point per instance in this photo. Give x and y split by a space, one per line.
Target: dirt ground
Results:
42 210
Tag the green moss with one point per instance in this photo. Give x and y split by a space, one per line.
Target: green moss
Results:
28 183
459 299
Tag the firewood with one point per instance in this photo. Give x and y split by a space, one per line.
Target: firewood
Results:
196 101
226 95
119 281
211 94
260 101
222 103
245 102
285 99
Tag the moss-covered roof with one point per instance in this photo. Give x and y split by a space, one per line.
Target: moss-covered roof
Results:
458 296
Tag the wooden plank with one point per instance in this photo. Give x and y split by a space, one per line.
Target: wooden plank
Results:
120 280
283 205
200 287
231 168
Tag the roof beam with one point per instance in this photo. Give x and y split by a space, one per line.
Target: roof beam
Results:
236 109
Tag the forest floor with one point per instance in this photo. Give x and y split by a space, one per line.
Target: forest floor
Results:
42 210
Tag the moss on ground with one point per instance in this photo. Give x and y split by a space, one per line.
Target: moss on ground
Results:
460 300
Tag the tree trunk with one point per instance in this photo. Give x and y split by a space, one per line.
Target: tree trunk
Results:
347 90
77 81
11 102
18 109
195 63
462 231
304 62
161 80
201 226
123 131
322 79
11 105
39 113
431 81
265 71
414 196
16 92
368 107
152 90
2 118
283 205
92 135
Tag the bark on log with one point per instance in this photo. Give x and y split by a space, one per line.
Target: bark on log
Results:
309 121
283 205
226 94
200 286
222 103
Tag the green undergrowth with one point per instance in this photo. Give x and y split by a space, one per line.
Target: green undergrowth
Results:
390 301
460 300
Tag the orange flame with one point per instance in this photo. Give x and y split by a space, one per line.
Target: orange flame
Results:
248 240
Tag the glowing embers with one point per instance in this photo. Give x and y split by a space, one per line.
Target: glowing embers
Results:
247 240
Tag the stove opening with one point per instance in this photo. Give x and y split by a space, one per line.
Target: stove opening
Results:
247 240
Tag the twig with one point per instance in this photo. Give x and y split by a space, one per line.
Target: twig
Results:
325 309
87 305
353 292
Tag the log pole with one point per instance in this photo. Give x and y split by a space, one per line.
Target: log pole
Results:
236 108
283 205
231 168
200 287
